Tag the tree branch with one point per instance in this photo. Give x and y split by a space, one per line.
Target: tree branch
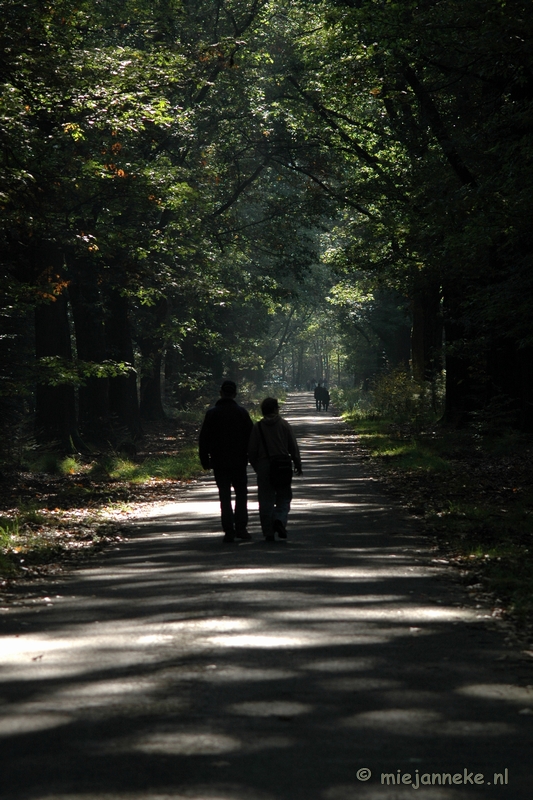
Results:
240 189
437 126
354 146
283 339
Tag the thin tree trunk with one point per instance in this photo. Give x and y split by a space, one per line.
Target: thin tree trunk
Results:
55 406
93 396
152 346
123 399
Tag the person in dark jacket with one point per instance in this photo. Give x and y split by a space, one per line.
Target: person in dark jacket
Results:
272 436
318 396
223 447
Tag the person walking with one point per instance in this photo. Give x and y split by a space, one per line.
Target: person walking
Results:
272 439
223 446
318 396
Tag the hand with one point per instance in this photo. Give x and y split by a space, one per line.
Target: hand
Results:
298 470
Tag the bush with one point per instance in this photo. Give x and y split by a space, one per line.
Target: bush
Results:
355 403
400 398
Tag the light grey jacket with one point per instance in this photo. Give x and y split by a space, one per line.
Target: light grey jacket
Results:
280 440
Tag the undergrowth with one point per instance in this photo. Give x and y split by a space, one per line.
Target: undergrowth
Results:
60 506
182 466
29 540
474 495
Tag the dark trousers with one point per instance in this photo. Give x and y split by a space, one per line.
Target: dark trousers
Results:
225 480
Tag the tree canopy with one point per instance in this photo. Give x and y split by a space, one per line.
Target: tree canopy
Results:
193 190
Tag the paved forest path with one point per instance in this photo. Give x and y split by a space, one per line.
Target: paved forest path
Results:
177 667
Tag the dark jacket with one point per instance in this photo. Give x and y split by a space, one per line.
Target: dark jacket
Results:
224 436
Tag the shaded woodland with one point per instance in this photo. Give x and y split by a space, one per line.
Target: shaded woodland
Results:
261 190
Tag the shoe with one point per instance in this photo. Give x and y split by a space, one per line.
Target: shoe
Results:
229 537
280 529
244 535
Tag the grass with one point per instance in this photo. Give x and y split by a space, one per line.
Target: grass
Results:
184 466
474 495
9 532
406 453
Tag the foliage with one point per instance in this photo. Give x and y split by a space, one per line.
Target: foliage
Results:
261 182
397 396
355 403
394 396
183 466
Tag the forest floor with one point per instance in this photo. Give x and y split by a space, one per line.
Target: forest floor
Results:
51 522
476 506
474 499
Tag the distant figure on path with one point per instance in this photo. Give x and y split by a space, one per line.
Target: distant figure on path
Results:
326 397
223 446
272 438
318 396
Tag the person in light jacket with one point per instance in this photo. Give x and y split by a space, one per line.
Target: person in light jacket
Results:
274 503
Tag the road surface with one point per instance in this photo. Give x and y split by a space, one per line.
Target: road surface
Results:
344 663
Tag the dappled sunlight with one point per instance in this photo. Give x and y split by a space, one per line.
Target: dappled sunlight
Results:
26 719
337 613
201 666
270 708
187 744
312 573
500 691
422 722
344 665
407 721
300 638
311 418
374 791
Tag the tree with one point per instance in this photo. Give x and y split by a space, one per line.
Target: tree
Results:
420 112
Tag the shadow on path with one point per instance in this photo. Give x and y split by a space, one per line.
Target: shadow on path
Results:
179 667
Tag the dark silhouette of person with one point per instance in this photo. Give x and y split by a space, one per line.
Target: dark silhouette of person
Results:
325 398
318 396
273 436
223 446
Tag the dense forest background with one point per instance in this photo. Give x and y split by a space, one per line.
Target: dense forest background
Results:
263 190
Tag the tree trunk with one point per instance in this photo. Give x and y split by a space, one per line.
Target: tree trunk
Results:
93 397
463 388
151 405
152 347
123 400
510 389
426 333
300 366
55 406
